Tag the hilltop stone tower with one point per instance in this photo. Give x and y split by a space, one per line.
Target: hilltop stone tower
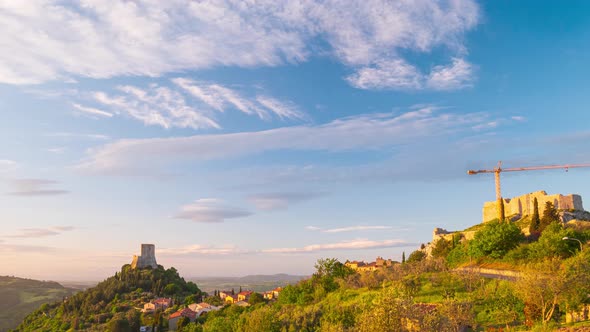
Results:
147 257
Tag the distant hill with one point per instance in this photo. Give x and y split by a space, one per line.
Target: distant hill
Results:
257 283
19 297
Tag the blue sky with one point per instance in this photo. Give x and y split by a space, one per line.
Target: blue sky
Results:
247 139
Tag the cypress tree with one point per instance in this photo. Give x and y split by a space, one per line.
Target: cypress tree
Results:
403 257
550 215
536 220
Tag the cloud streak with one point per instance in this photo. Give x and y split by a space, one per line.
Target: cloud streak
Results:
53 40
156 105
210 210
198 249
280 201
35 187
28 233
358 244
363 132
92 111
347 229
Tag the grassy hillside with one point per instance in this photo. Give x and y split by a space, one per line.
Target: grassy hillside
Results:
19 297
113 303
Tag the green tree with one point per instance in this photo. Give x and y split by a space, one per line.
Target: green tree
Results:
386 314
171 289
403 257
535 220
213 300
495 240
551 243
255 298
182 322
542 286
119 324
441 248
192 299
416 256
550 215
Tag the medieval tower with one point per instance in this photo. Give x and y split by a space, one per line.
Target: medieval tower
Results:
147 257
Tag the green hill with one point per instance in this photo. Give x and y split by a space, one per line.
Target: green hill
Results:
19 297
113 302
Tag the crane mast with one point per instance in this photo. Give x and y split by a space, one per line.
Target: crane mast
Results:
499 170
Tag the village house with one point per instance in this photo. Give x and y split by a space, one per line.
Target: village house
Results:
244 296
224 294
268 295
361 266
231 299
159 303
175 317
201 308
276 292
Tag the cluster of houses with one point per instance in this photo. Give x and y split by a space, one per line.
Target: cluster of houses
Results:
361 266
243 297
195 310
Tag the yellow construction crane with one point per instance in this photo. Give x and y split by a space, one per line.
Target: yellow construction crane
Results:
499 170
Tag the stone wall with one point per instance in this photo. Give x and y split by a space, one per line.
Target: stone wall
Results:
523 205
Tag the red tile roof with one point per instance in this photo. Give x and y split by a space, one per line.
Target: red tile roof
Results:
186 312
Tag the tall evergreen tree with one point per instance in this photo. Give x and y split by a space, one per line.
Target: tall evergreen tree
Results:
403 257
536 220
550 215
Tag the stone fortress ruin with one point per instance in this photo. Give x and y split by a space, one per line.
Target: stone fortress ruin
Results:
147 257
570 210
518 207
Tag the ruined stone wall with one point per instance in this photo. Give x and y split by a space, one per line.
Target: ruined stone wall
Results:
523 205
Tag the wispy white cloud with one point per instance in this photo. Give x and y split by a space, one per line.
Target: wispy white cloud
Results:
388 74
283 110
56 40
26 249
220 97
156 105
457 75
91 111
40 232
198 249
345 245
210 210
35 187
347 229
518 118
396 74
363 132
280 200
